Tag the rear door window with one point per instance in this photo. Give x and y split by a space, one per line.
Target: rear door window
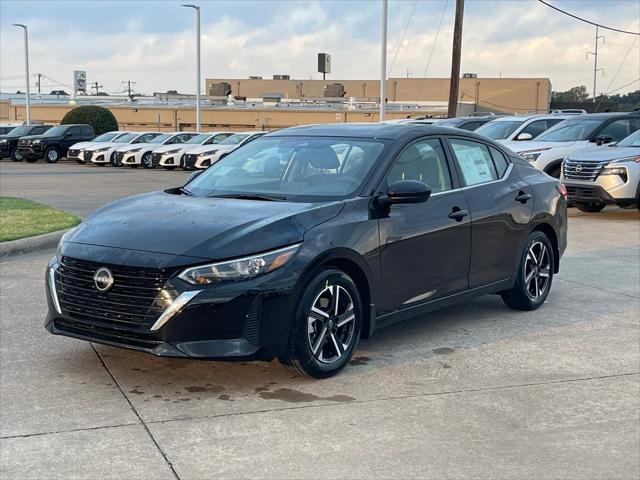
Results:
500 161
474 161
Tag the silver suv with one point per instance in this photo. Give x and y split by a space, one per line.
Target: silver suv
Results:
600 176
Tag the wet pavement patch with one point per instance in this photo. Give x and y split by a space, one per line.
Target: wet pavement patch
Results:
443 351
294 396
208 388
357 361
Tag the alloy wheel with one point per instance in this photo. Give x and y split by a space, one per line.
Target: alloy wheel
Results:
537 270
52 155
331 323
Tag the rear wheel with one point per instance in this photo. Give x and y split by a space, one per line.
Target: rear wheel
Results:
16 156
326 327
52 155
590 207
147 162
535 275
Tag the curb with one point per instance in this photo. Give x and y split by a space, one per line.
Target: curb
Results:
30 244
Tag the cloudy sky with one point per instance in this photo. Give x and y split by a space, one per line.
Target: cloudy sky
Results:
152 42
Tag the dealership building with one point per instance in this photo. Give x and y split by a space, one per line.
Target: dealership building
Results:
266 104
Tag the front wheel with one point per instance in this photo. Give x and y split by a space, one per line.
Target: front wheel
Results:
534 276
147 162
16 156
590 207
326 327
52 155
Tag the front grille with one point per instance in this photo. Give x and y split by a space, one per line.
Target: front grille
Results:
582 193
253 321
582 169
131 305
119 156
23 142
73 153
88 156
190 159
155 158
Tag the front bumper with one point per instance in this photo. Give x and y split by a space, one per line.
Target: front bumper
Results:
5 150
30 152
166 159
235 320
609 189
77 155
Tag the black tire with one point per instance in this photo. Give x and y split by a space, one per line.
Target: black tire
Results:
590 207
15 156
535 274
146 160
337 342
52 155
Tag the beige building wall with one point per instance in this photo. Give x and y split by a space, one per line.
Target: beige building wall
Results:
513 95
146 117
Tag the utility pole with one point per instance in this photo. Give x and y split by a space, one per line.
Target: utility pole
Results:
39 80
26 70
383 59
128 88
97 87
198 39
454 86
595 63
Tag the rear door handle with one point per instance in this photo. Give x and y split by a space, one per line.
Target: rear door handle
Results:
523 197
457 214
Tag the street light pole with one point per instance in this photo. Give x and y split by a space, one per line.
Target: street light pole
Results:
383 59
197 9
26 68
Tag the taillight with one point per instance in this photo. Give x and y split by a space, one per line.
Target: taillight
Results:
563 190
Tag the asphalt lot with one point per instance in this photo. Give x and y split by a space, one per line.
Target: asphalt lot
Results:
476 390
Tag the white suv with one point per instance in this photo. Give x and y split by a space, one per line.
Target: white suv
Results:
548 151
170 156
140 154
520 128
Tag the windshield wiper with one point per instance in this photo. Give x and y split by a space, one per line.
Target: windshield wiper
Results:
251 196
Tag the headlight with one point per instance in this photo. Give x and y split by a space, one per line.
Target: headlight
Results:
172 151
3 140
100 150
206 154
134 150
36 142
531 156
613 169
239 269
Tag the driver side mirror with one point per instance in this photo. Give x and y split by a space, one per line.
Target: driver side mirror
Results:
67 135
405 191
193 175
524 136
600 139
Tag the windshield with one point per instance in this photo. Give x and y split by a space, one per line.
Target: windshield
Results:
632 140
234 139
203 137
126 138
106 137
291 168
55 131
570 131
161 138
19 131
499 130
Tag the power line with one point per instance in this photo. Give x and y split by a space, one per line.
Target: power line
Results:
616 74
406 27
433 47
624 86
587 21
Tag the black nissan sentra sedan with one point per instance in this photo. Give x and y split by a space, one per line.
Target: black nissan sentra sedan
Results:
307 239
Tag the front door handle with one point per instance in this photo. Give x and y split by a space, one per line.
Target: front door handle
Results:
523 197
457 214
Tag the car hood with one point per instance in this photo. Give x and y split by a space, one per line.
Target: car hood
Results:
38 137
208 148
99 145
526 146
605 154
134 146
207 228
83 145
170 148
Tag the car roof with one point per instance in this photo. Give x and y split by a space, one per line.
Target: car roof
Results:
365 130
605 115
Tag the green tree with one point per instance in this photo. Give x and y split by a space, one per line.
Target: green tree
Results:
574 94
101 119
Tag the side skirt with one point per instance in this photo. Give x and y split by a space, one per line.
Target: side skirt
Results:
423 308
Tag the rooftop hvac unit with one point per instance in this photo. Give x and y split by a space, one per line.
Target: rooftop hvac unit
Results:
334 90
255 77
220 89
469 75
282 77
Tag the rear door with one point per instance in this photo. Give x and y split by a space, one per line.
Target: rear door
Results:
71 136
425 247
501 206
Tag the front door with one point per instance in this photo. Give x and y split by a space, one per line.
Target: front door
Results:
501 206
425 247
